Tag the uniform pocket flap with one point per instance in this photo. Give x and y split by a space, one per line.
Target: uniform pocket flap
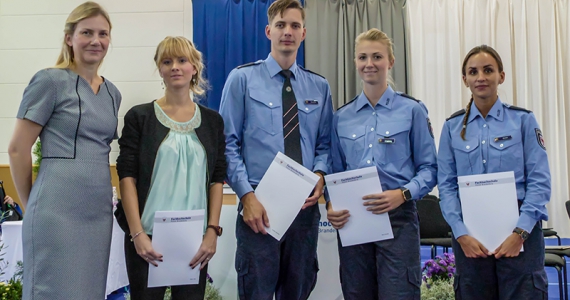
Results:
393 128
351 133
262 97
464 146
501 142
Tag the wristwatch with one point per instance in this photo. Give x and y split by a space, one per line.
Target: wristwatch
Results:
218 229
406 193
522 233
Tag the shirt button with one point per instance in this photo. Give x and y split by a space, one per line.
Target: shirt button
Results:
372 129
270 104
374 113
354 135
484 161
483 142
370 146
368 161
501 145
484 125
306 108
467 147
387 132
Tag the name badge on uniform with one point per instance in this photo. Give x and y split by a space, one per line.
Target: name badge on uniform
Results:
386 141
503 138
311 102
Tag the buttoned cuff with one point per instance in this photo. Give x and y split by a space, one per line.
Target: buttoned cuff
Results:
526 222
242 187
320 166
459 229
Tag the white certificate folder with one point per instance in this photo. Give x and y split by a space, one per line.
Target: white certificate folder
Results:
346 190
177 235
282 191
489 206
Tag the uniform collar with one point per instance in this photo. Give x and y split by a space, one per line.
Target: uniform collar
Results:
274 68
497 111
386 100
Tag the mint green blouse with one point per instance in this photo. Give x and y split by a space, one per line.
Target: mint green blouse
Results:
179 176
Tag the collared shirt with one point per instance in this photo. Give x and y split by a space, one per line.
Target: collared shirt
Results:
253 118
508 139
394 136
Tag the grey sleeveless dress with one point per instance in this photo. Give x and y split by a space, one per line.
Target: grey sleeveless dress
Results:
68 220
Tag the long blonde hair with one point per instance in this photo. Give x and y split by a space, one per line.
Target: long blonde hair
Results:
84 11
376 35
179 46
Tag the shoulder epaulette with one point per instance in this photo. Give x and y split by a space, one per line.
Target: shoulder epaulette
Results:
312 72
456 114
250 64
348 103
516 108
407 96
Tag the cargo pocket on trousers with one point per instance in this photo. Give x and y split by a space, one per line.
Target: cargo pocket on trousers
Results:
316 265
456 287
414 276
242 268
540 283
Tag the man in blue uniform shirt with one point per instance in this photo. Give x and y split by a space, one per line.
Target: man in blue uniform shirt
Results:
269 106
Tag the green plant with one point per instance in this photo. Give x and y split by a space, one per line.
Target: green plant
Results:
438 278
11 290
439 290
37 151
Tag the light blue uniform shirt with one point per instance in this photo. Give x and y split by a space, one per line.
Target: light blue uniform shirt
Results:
508 139
253 119
179 176
395 136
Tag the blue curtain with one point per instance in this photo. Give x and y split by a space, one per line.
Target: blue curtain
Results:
230 33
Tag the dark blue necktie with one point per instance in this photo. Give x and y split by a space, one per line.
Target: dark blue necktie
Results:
291 133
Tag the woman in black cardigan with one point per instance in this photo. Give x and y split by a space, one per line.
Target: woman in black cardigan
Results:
171 158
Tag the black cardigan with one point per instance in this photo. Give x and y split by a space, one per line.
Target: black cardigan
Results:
142 136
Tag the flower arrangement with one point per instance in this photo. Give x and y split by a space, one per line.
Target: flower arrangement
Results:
438 278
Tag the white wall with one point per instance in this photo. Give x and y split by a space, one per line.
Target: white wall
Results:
31 34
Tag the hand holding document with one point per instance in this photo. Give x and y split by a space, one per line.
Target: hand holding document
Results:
346 190
178 236
282 191
489 206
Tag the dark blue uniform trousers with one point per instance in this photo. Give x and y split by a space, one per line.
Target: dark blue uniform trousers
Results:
137 271
287 268
515 278
388 269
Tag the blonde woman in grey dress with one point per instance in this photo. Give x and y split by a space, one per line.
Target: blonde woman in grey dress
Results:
68 221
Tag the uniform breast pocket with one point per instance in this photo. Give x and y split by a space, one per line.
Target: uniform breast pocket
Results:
352 143
310 110
265 112
507 149
394 140
466 155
